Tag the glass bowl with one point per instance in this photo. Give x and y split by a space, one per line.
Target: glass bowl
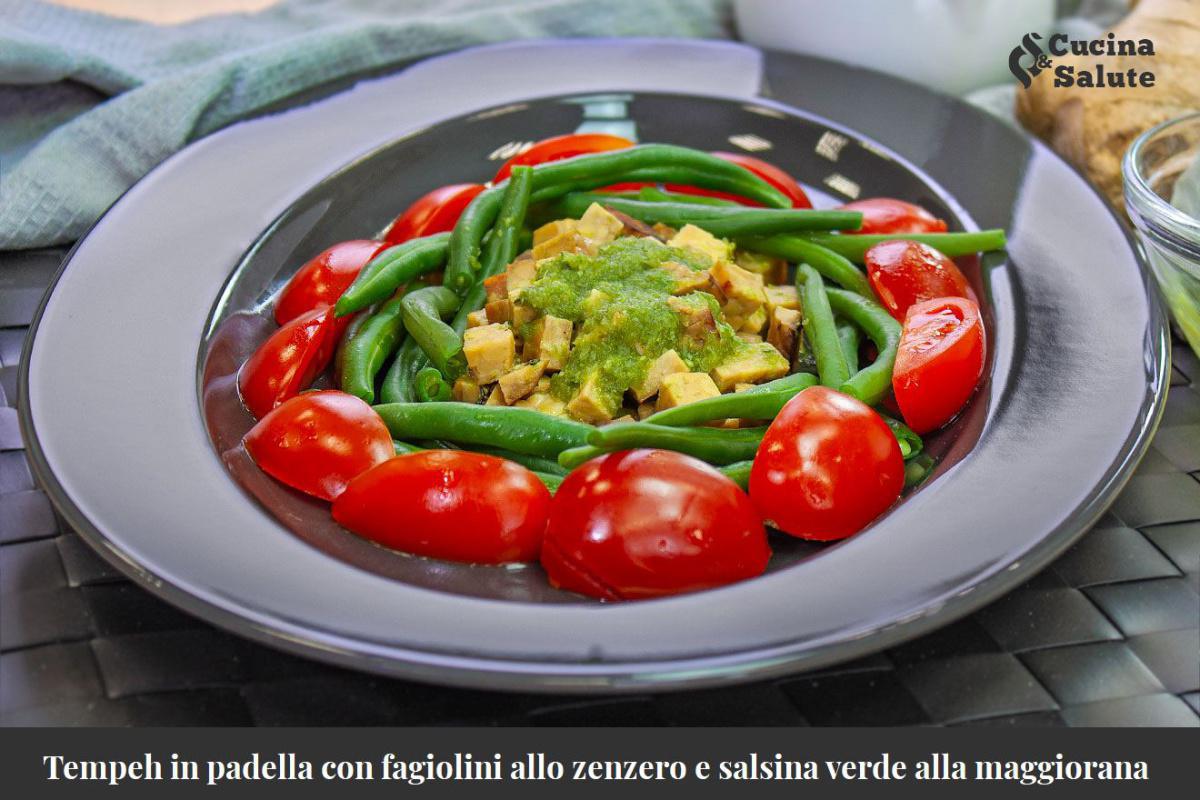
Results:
1169 235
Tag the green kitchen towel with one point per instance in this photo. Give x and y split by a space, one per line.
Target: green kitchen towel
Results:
89 104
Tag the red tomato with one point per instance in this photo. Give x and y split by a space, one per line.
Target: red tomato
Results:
449 504
322 280
318 442
556 148
648 523
939 361
887 215
432 213
827 466
903 272
289 361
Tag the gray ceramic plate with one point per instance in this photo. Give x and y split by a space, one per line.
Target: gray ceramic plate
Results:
157 304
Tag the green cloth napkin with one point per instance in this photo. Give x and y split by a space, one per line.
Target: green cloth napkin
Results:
89 104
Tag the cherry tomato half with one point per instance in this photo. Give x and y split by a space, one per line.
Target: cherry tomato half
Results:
647 523
322 280
287 362
904 272
434 212
939 361
888 215
318 442
827 466
556 148
449 504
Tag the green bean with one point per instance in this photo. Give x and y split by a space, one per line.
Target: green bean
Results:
820 328
399 382
653 194
757 403
352 328
910 443
870 384
648 162
423 312
917 470
854 246
535 463
848 336
391 269
723 221
502 243
573 457
521 430
830 264
372 343
738 472
714 445
551 480
404 448
431 386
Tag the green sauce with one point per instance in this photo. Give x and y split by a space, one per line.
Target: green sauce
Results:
618 300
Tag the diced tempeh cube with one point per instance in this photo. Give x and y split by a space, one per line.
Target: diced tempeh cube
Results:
784 328
556 228
782 296
520 381
741 387
645 410
543 401
691 237
566 242
664 231
668 363
490 351
598 225
499 310
635 227
757 363
744 292
755 322
466 390
496 398
550 341
497 287
773 270
685 387
521 273
686 279
753 338
589 404
522 314
477 317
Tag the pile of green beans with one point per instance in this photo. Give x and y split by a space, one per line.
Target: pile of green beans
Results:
420 327
729 222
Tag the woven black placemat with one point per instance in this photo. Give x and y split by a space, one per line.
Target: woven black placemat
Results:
1108 635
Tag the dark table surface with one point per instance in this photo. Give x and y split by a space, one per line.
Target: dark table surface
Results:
1108 635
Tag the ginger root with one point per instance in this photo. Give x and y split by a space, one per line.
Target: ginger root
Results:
1092 127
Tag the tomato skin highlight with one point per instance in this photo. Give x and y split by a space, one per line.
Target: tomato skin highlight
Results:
318 442
321 281
650 523
888 215
557 148
289 360
827 466
904 272
449 504
433 212
939 361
